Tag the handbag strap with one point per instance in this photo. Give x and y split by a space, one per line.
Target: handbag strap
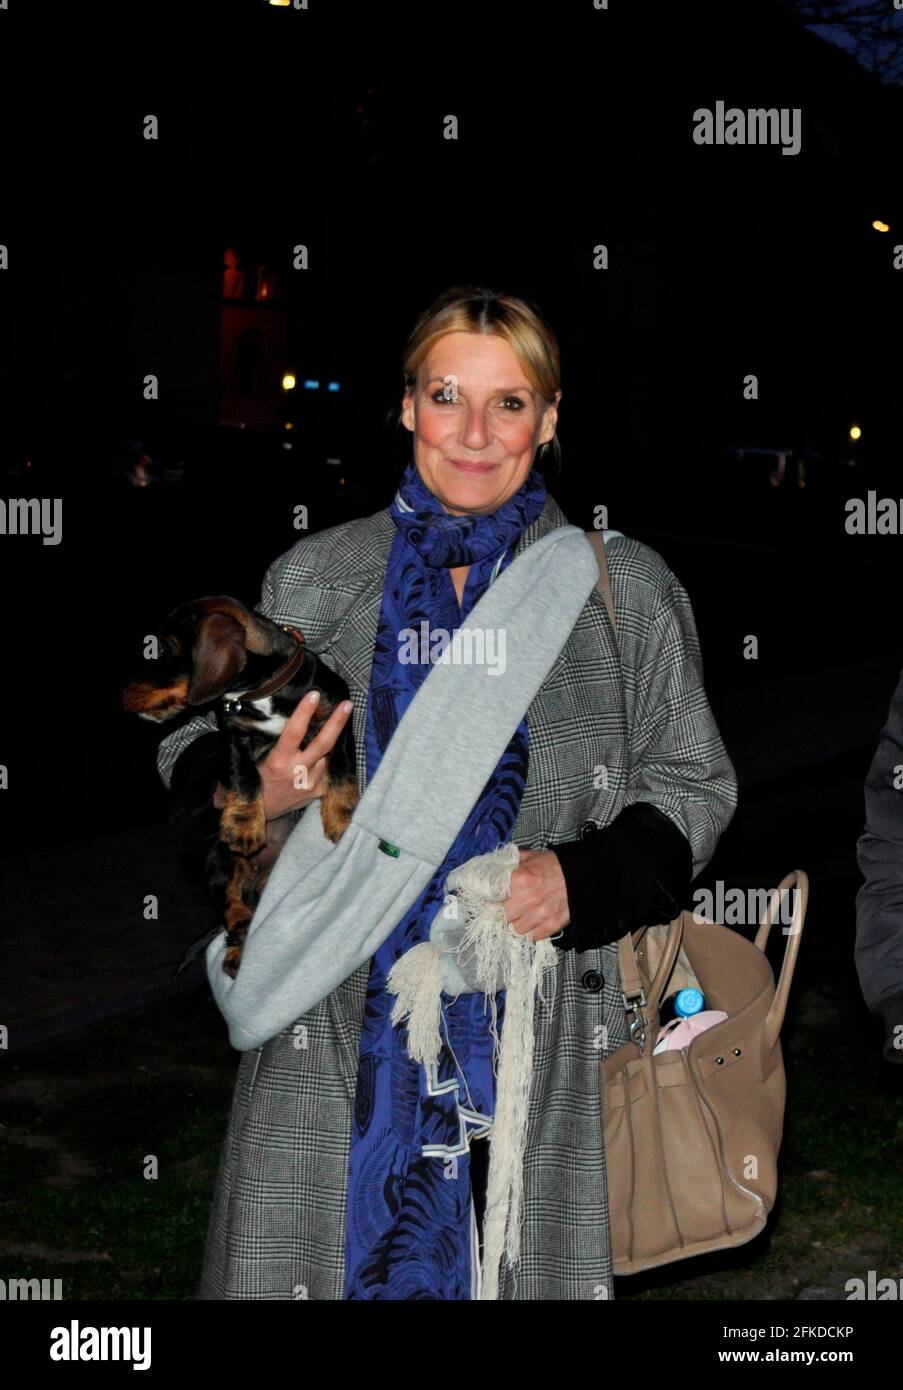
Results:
632 988
799 881
604 583
633 993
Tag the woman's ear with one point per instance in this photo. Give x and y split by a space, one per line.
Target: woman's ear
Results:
407 410
549 420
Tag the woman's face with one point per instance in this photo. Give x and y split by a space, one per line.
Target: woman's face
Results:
477 422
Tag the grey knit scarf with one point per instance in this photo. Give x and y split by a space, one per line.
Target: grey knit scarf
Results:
328 907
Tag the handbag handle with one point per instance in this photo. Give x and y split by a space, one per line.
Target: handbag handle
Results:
632 992
635 998
798 880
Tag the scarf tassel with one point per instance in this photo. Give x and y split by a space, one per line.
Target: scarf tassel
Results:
495 952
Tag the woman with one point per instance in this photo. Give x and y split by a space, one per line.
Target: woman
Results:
348 1171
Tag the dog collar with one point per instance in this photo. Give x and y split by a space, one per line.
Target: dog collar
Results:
278 679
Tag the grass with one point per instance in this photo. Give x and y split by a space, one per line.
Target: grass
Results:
109 1147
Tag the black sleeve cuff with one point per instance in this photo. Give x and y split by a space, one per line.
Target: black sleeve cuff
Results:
635 872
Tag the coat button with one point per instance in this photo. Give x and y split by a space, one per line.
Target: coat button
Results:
588 828
592 981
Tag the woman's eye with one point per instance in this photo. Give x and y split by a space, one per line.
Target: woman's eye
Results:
440 397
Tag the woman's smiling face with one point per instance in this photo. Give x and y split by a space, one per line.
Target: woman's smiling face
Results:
477 422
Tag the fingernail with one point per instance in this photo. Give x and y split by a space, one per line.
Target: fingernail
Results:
347 706
314 696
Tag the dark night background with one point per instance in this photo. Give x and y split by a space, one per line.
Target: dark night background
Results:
575 129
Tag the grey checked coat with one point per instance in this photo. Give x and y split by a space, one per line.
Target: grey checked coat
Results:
606 730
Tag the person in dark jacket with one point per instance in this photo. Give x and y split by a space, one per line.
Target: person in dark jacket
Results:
879 902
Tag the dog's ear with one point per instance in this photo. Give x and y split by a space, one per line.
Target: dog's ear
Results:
219 655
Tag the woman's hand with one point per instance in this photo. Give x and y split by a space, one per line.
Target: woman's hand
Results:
538 899
287 765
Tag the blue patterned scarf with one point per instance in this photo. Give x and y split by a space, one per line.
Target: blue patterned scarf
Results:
408 1227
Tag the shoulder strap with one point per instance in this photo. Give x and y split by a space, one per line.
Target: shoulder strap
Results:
604 583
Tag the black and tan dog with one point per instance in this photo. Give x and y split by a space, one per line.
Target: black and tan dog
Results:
216 650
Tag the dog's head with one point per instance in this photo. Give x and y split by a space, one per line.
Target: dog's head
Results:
207 647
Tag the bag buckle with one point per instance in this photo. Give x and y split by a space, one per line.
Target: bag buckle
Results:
637 1026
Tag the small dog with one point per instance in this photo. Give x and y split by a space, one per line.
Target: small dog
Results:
216 649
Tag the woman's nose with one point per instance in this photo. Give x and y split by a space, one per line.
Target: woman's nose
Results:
476 434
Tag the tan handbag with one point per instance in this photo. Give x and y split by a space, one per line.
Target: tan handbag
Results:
692 1136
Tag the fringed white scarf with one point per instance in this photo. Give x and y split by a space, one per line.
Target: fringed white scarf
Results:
491 956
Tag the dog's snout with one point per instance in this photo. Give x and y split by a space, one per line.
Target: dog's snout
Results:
157 702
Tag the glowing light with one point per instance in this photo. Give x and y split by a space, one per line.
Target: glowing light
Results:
289 425
855 432
880 226
311 385
289 382
332 386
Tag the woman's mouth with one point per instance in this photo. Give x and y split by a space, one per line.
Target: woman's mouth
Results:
475 469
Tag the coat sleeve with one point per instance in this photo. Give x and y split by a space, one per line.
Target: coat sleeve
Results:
679 763
633 873
879 901
173 745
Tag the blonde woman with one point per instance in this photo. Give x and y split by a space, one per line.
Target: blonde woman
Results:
350 1171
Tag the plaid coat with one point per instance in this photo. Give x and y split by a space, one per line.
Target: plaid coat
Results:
611 725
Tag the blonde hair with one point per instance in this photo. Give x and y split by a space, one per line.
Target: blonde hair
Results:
470 309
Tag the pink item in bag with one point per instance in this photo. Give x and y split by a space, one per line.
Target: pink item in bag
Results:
680 1032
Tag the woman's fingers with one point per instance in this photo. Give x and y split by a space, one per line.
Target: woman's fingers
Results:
327 736
292 776
296 727
287 756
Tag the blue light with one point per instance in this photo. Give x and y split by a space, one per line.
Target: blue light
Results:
311 385
332 386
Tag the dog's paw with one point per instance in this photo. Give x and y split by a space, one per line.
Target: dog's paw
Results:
242 824
235 944
232 960
339 801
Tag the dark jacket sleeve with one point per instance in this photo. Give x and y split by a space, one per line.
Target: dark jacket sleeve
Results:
192 816
879 902
635 872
